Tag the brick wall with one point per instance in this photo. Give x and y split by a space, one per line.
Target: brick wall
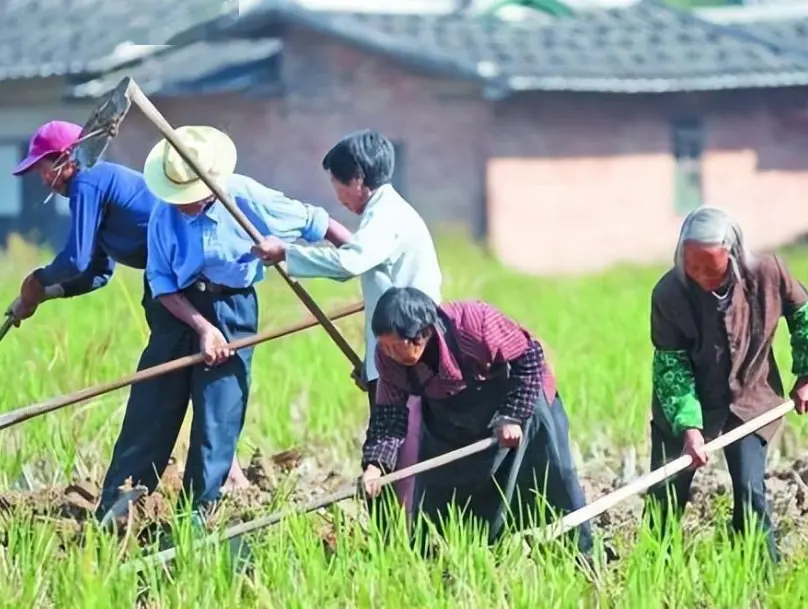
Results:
565 183
579 183
331 90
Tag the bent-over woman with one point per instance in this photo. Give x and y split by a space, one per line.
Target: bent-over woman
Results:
713 320
477 372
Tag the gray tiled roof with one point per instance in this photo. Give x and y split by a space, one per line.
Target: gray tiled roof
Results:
647 47
62 37
790 33
651 48
199 67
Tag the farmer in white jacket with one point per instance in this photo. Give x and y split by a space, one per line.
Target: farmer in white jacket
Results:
391 248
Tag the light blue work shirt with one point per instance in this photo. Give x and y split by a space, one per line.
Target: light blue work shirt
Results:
182 248
392 248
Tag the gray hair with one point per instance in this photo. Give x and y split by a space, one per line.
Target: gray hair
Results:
713 226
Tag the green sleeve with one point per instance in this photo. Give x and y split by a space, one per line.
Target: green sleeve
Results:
798 326
675 388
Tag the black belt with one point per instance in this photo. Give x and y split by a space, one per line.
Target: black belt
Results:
203 285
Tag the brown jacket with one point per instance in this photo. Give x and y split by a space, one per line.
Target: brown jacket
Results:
731 350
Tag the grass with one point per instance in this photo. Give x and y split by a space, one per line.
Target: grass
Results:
596 332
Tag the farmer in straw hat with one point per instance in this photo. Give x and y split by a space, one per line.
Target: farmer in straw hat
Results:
478 372
392 247
201 271
109 212
713 320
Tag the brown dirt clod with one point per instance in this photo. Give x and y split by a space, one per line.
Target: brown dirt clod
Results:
70 506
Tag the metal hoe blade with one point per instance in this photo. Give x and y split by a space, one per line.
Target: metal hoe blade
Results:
102 125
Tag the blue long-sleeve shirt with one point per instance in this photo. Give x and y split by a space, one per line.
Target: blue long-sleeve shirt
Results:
183 248
110 207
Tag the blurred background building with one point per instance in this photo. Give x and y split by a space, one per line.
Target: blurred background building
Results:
570 135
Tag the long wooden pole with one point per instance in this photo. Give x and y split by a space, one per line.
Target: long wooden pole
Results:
643 483
347 492
153 114
9 321
14 417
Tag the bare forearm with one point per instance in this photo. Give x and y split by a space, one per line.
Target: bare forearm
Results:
182 309
337 233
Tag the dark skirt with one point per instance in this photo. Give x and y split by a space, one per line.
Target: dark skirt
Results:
520 488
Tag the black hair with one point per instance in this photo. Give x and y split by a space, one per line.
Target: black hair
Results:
407 312
366 155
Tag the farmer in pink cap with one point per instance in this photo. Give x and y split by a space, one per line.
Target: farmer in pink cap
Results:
110 207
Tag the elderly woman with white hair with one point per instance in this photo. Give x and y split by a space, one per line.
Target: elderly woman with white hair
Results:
713 320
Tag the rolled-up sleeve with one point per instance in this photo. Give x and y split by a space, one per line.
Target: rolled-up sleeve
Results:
162 280
95 277
280 216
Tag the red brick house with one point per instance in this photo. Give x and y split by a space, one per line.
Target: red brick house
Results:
570 146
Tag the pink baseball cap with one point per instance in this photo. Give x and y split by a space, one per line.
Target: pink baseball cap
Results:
54 137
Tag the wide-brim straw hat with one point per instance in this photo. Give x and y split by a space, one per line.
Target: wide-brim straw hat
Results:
172 180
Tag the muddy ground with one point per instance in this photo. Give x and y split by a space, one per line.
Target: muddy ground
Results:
294 477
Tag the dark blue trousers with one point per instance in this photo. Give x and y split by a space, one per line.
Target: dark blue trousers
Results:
157 407
746 461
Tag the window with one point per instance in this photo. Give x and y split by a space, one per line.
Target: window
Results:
688 142
399 173
10 185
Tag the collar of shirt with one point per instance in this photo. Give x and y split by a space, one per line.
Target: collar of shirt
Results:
211 211
379 194
448 367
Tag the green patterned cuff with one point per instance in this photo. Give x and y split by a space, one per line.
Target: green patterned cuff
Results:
675 389
798 325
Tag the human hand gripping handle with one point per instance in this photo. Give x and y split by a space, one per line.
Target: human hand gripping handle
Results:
370 481
19 310
269 250
358 377
799 394
213 346
694 447
23 308
509 434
